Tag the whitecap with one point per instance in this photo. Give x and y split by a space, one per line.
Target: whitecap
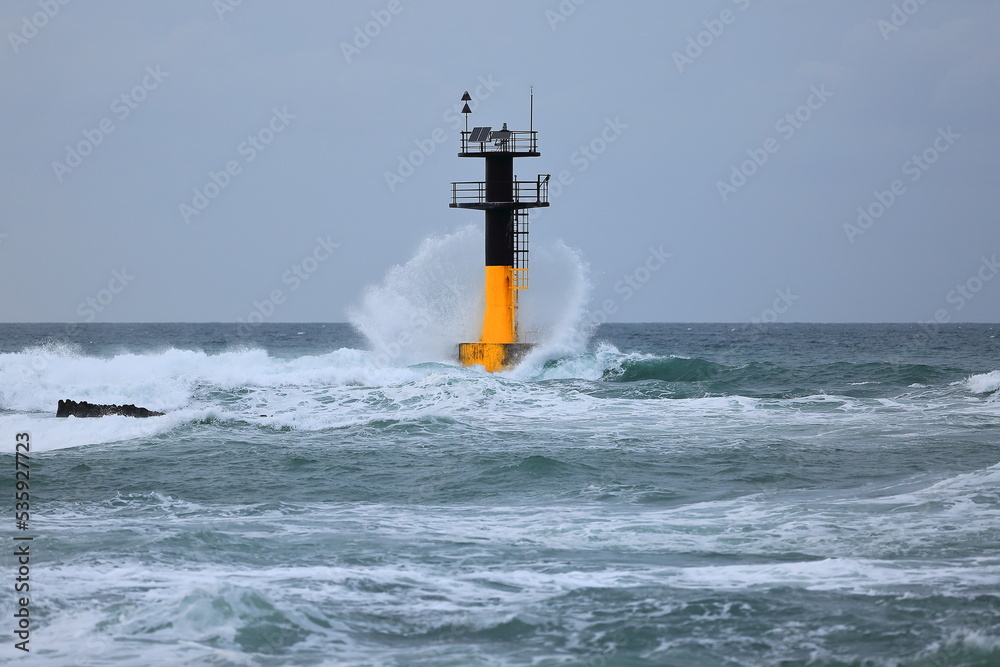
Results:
983 383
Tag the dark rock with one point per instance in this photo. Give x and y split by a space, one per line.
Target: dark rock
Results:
84 409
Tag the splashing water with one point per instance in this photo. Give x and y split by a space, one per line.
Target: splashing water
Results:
556 304
422 309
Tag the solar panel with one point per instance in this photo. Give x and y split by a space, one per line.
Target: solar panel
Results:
501 135
480 134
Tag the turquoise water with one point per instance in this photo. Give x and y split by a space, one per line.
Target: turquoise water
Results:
674 495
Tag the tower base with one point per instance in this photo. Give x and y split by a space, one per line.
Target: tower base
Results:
493 356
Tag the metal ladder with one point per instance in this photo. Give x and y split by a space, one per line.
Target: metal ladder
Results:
521 268
520 250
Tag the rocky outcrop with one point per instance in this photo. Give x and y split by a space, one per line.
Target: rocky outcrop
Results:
69 408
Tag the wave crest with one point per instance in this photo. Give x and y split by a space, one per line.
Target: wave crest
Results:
983 383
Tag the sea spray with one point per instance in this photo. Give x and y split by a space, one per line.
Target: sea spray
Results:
422 309
555 306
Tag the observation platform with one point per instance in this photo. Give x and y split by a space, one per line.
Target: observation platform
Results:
483 141
524 194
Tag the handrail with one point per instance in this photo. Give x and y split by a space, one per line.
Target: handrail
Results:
519 141
474 192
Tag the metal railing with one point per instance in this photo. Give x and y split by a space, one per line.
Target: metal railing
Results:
474 192
515 141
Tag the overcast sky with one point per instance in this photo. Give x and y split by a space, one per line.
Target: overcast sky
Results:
741 137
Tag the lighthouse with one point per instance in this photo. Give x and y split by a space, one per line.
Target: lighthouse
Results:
505 201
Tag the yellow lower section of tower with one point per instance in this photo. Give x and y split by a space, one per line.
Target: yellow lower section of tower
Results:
497 348
491 356
498 320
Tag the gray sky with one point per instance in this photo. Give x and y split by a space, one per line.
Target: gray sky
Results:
739 136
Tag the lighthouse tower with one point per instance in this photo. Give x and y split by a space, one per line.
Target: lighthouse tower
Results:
505 201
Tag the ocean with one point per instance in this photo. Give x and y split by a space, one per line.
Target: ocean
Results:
669 494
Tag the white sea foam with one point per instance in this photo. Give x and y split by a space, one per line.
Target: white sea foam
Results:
35 379
843 546
50 433
140 604
589 366
556 387
349 387
983 383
